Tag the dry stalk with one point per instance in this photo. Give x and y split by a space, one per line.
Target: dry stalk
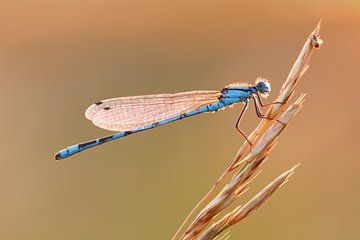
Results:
287 90
241 212
242 178
263 137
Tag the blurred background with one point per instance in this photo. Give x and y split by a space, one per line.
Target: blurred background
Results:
58 57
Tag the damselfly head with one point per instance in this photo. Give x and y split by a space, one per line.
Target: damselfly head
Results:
263 87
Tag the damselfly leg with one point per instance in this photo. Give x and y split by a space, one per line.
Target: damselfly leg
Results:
237 126
260 115
268 104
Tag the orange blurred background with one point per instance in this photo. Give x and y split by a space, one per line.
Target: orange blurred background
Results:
58 57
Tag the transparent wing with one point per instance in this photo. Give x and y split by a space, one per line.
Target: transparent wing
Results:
239 84
128 113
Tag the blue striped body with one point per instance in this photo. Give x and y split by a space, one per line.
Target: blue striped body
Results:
229 96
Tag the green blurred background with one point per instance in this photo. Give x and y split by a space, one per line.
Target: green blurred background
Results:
57 57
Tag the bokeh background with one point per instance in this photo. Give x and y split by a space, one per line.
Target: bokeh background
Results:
57 57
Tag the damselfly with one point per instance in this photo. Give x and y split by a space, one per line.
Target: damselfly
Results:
128 115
